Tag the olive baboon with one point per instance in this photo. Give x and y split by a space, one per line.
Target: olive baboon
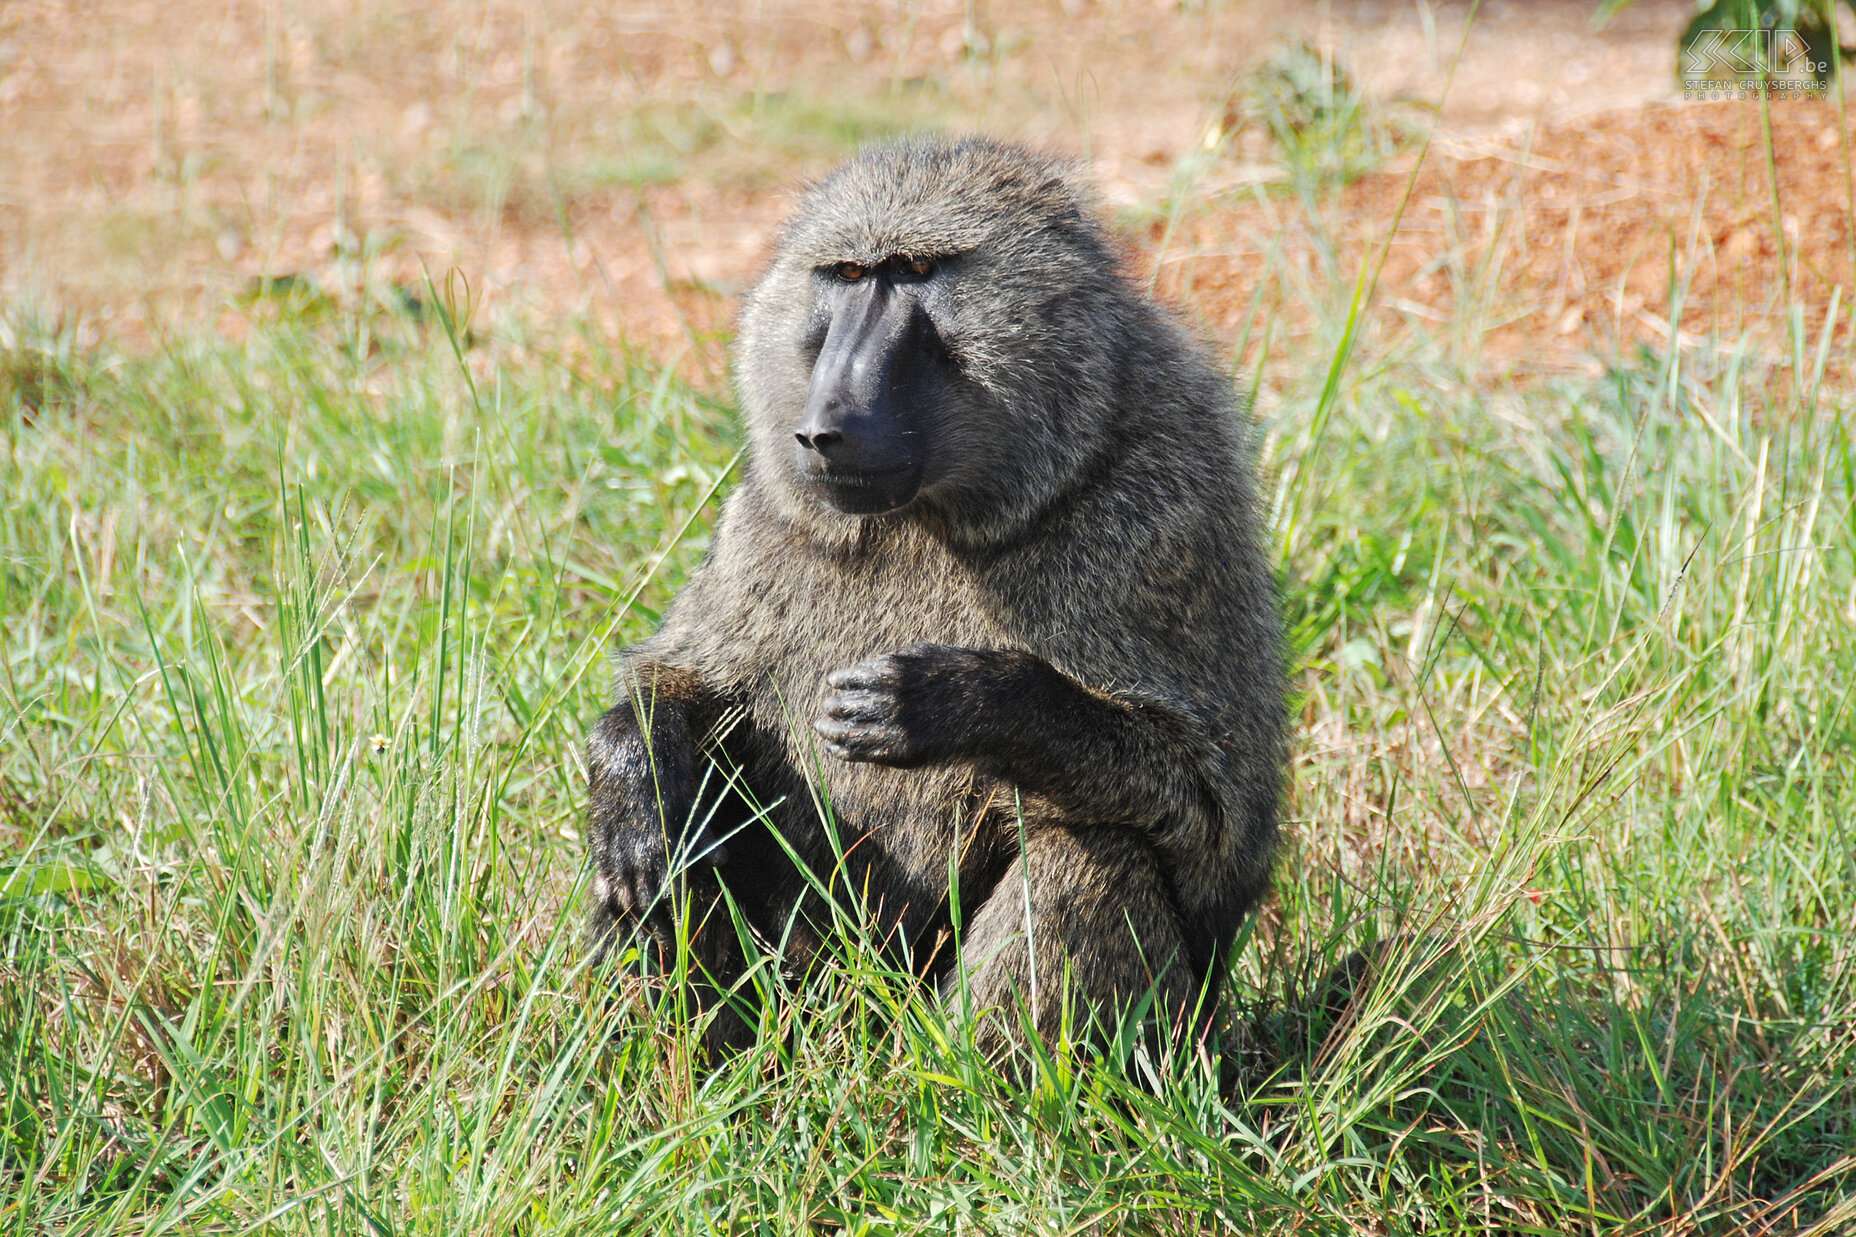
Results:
992 572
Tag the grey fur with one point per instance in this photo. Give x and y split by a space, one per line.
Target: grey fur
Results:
1074 616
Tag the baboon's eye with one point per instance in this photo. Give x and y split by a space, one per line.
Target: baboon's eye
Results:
921 268
850 272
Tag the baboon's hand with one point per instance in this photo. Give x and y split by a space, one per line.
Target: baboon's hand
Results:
639 862
645 822
917 706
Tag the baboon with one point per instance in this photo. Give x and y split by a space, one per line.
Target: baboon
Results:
988 605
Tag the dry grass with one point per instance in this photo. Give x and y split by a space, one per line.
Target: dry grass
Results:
1565 245
630 163
625 160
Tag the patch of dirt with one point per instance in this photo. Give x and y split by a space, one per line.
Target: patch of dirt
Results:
629 162
1570 242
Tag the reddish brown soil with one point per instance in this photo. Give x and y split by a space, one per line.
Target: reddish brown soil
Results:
1565 242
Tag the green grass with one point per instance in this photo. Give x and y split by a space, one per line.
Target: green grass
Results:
301 637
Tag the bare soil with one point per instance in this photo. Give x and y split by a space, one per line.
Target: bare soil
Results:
1577 240
629 162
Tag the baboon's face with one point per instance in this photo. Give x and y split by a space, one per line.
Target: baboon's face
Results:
931 336
882 382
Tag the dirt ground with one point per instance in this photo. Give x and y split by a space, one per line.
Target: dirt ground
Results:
1578 238
629 162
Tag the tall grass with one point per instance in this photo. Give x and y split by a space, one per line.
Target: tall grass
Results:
301 637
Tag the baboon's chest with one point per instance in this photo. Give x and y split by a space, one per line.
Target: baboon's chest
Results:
805 625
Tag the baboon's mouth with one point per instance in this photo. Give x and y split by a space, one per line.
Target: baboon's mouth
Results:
866 492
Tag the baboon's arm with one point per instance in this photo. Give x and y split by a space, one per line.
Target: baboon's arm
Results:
1095 757
643 773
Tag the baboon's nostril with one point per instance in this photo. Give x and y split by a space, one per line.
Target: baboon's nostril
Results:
822 441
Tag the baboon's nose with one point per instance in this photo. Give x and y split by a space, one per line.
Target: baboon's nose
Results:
822 441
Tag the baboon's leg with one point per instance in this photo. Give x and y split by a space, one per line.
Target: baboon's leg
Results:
644 775
1087 910
662 818
759 889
